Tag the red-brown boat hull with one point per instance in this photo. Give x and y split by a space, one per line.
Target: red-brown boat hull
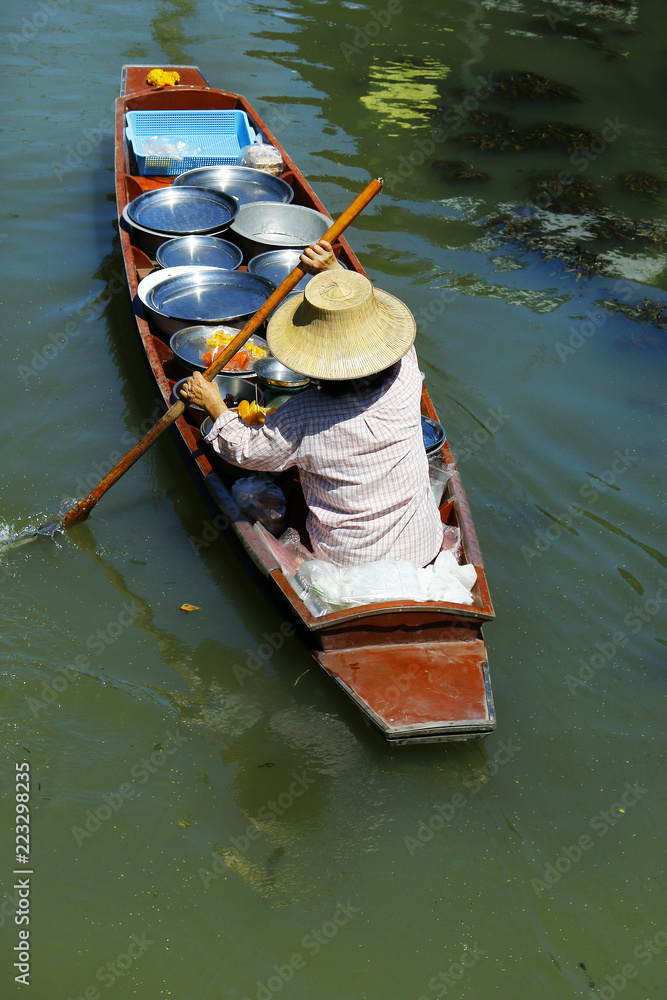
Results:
418 672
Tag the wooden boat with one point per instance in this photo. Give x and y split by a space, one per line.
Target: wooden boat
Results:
417 671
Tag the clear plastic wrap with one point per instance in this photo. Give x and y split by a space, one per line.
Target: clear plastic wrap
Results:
263 501
175 149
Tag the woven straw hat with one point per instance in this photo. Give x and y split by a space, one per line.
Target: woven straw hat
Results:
341 327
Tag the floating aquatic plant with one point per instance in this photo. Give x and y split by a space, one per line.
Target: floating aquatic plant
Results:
485 119
458 170
525 86
641 183
576 197
542 135
528 233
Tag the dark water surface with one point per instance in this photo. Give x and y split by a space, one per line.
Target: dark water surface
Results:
256 839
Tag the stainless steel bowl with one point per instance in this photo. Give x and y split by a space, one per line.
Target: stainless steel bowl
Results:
147 284
240 388
276 265
208 295
265 225
275 375
199 251
191 344
150 240
183 211
244 184
433 434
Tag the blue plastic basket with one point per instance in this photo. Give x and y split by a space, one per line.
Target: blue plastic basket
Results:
208 138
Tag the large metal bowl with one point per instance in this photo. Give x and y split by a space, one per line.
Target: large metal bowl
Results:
277 264
208 295
183 211
266 225
150 240
191 344
240 388
244 184
434 436
275 375
199 251
147 284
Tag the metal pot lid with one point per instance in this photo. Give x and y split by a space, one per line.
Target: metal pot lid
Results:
199 251
277 264
273 372
433 434
210 295
190 345
182 211
244 184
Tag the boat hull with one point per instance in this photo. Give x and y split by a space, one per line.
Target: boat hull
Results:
417 672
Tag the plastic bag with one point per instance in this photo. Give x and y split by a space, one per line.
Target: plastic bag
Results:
445 580
262 156
262 501
175 149
439 473
451 539
370 583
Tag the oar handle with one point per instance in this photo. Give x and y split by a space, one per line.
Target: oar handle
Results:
83 508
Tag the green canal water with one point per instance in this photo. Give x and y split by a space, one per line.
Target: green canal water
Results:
201 831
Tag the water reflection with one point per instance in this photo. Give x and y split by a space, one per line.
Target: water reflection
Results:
168 32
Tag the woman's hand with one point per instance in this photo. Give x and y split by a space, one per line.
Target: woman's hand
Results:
318 257
202 393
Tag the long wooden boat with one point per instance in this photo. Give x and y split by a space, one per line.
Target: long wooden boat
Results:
417 671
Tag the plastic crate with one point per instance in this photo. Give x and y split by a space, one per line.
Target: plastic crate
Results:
208 138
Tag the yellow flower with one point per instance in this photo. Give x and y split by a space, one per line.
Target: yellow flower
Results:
162 78
253 414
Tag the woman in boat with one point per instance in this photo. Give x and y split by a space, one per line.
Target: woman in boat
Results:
356 439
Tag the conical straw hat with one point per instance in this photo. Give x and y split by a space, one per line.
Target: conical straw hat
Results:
340 327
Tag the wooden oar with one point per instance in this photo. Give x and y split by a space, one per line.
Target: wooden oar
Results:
82 509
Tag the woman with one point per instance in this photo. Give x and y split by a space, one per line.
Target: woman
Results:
356 439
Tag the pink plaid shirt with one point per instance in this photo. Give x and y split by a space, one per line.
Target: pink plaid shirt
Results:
362 466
